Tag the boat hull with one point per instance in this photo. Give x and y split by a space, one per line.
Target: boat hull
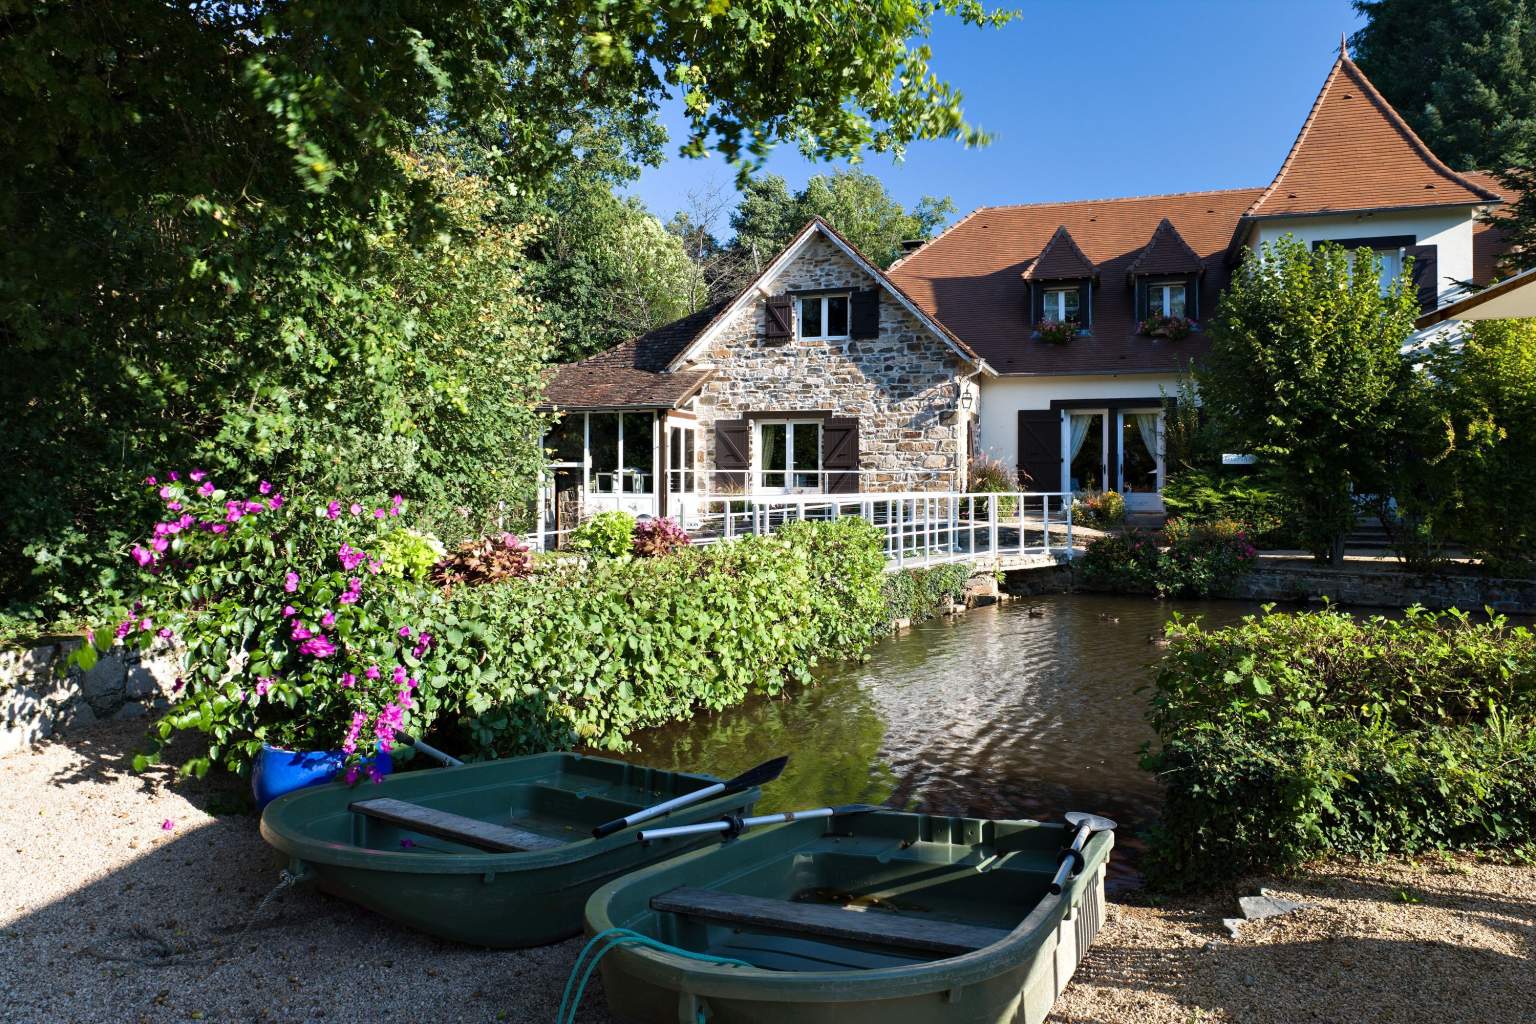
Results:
951 862
455 892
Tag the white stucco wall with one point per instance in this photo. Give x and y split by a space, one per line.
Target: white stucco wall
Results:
1003 397
1449 230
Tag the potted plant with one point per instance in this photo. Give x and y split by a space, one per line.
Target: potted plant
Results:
1057 332
1174 328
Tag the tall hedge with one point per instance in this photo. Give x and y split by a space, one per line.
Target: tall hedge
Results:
1288 737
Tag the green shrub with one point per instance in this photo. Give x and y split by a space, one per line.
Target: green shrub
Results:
989 476
606 535
1193 496
1125 562
1103 511
410 553
590 653
1289 737
916 594
1203 559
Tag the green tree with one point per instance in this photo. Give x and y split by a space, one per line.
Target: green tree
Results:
1304 371
207 212
852 201
1475 468
1463 74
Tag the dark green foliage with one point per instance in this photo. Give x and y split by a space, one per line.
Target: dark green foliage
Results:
591 653
1470 469
916 594
1306 372
1194 496
1199 560
220 249
605 535
1289 737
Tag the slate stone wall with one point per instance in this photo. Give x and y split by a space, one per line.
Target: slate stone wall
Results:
38 698
900 386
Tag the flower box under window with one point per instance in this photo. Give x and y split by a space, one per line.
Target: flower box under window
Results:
1057 332
1170 326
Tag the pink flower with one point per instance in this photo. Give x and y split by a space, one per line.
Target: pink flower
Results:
328 619
123 629
354 589
263 686
165 633
299 632
252 507
378 513
264 487
399 676
174 506
196 476
374 775
289 611
372 672
205 490
348 680
356 509
352 774
359 719
405 632
275 502
149 481
167 825
147 624
318 647
349 556
233 511
159 543
333 510
167 492
423 644
375 567
291 582
142 555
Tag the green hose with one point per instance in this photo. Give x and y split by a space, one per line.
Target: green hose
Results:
618 937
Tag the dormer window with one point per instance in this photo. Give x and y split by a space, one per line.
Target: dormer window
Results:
1061 304
1166 298
824 316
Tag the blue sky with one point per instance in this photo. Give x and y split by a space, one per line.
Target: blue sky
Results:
1092 98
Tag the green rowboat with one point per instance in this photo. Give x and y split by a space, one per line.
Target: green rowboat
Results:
498 853
884 917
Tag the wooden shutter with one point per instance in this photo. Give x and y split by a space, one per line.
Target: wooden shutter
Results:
1426 275
1140 308
1085 304
1192 296
780 319
1040 449
865 314
840 451
1036 303
732 454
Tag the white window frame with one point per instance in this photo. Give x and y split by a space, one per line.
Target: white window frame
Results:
759 471
847 297
1059 314
1165 305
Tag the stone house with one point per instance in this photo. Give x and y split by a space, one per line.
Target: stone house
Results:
822 376
1048 336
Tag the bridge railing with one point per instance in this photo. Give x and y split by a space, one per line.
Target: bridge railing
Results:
918 527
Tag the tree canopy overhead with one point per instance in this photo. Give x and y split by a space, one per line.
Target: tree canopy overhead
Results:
221 243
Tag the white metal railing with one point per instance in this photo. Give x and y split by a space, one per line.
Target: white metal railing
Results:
919 527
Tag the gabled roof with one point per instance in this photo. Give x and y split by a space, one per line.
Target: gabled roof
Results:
1060 260
971 278
1355 152
631 375
1166 252
813 227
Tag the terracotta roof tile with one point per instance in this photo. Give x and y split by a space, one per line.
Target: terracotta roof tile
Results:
1060 260
1355 152
970 278
1166 252
633 374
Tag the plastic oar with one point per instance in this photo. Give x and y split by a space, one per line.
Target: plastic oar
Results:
763 773
1072 857
446 760
734 825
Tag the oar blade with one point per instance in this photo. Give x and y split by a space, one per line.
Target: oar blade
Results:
759 776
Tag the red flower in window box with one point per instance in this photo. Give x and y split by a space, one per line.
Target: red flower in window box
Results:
1174 328
1057 332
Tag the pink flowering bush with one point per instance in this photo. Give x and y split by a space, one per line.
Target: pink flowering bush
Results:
656 537
288 629
1057 332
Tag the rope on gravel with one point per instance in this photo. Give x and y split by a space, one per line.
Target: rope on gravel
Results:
609 940
167 950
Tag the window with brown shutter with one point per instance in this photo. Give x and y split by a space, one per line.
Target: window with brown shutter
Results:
866 314
840 455
732 454
780 319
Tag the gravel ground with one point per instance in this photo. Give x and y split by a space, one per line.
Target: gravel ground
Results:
96 876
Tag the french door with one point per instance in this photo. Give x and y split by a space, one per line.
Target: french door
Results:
788 456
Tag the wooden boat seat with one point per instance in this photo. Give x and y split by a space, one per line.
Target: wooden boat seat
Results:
470 831
877 928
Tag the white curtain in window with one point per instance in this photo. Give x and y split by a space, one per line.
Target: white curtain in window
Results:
1146 425
1078 425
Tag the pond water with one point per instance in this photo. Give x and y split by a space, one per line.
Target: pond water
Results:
1024 710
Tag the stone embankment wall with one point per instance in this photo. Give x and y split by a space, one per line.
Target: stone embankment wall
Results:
39 697
1387 589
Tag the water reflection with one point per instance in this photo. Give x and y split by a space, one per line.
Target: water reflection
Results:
1019 711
